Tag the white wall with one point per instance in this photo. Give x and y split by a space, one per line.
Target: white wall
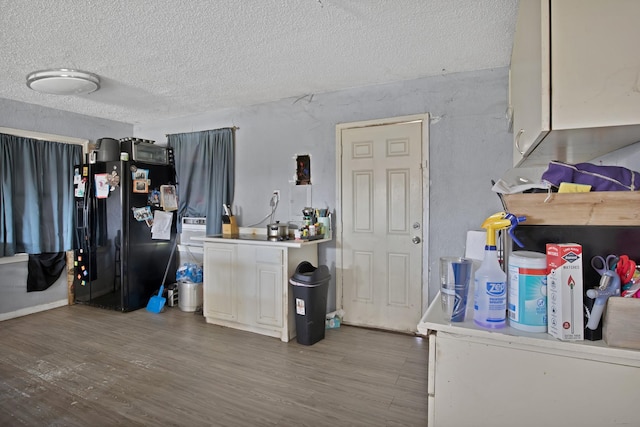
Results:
15 301
627 157
19 115
469 146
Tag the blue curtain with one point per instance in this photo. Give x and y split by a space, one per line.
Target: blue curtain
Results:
36 195
205 165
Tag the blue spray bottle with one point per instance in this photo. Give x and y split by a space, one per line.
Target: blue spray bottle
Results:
490 297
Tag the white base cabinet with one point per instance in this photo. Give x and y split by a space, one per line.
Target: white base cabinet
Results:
510 378
246 285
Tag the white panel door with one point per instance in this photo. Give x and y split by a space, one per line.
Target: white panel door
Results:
382 225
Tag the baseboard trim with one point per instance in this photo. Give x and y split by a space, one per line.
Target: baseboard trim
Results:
31 310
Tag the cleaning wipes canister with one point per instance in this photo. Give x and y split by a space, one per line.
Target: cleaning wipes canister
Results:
527 297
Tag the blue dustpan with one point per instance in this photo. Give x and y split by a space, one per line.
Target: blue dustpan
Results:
156 302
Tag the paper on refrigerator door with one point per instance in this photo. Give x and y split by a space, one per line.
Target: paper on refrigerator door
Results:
101 185
161 228
168 197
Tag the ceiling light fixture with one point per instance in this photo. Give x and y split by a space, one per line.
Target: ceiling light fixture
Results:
63 81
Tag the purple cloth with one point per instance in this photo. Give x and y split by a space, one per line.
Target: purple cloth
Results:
600 178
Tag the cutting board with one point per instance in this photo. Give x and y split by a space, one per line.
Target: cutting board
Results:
621 319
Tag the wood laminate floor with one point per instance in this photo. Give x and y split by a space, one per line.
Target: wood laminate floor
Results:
85 366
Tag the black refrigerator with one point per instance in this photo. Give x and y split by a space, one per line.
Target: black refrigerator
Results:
119 264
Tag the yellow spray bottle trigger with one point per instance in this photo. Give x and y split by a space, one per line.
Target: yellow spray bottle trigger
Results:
501 221
497 215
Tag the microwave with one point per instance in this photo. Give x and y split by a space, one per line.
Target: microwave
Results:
146 152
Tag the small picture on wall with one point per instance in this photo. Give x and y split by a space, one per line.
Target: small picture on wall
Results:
303 170
140 186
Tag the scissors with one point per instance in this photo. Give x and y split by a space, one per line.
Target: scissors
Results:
626 268
602 265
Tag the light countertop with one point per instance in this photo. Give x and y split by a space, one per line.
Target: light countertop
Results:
252 236
433 320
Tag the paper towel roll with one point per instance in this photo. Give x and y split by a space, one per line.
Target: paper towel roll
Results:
476 241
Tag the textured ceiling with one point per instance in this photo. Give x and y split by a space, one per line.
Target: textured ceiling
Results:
160 59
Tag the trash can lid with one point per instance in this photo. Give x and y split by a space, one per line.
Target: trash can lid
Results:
307 274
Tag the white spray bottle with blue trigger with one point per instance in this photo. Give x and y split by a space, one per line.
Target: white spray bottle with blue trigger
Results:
490 297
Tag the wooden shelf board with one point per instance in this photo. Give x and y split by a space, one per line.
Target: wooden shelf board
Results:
620 208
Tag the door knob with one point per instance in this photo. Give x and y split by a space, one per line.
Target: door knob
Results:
416 240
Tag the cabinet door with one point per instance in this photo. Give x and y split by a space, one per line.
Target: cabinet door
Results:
530 77
574 86
259 286
525 385
595 63
246 284
270 287
219 287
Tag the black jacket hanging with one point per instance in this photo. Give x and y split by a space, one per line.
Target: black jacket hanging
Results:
44 269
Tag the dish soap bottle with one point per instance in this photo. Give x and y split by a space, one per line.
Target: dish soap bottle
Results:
490 297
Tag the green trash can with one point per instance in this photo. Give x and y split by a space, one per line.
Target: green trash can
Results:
310 289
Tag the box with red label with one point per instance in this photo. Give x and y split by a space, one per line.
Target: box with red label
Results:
564 291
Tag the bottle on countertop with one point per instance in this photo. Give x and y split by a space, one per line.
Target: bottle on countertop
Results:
490 295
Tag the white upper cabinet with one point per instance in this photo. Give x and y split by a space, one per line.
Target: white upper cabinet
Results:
574 83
